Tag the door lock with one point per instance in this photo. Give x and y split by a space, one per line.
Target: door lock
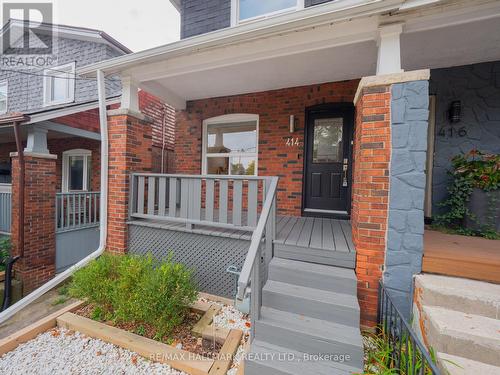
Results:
345 167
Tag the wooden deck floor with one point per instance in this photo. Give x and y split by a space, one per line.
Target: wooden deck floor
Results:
316 240
462 256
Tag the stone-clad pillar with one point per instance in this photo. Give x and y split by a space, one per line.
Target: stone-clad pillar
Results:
130 150
405 242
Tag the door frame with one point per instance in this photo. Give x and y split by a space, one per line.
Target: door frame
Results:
325 108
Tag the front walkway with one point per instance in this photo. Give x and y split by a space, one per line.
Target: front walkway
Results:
453 255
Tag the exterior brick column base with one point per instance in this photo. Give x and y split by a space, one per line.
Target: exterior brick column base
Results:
130 150
37 266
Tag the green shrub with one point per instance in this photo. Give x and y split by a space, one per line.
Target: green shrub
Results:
136 289
5 248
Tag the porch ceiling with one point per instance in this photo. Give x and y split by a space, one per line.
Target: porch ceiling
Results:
321 47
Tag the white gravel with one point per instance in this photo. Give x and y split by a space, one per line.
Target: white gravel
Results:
229 317
65 352
59 351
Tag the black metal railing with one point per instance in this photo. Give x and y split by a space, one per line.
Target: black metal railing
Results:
408 355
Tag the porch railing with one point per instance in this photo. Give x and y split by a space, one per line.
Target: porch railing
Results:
259 253
5 208
77 210
230 202
409 355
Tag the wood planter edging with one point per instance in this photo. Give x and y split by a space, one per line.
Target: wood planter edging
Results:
33 330
153 350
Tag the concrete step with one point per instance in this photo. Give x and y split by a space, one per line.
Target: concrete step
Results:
320 304
468 296
465 335
309 335
268 359
317 276
453 365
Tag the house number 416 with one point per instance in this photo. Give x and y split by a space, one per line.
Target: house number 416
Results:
291 141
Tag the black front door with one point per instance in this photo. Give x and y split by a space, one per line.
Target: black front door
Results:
327 160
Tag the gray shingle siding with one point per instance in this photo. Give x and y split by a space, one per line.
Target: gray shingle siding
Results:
25 92
202 16
309 3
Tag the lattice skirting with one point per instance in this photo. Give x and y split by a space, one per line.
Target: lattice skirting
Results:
208 256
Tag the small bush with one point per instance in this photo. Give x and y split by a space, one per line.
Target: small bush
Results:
136 289
5 248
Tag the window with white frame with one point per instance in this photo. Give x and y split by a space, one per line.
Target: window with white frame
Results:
76 170
248 10
3 96
59 84
230 145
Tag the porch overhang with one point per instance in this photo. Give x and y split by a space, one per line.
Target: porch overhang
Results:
335 41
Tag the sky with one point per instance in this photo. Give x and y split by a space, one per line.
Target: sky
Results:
138 24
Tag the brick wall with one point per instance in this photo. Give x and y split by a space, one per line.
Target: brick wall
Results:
370 193
38 264
274 109
130 150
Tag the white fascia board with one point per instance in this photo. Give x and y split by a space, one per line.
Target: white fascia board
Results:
330 12
49 115
308 40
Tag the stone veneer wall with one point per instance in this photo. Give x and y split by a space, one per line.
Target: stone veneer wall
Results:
409 121
478 88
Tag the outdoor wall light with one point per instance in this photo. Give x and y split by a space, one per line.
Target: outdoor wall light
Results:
455 111
292 123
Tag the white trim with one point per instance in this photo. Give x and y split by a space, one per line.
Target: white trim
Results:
55 72
87 158
431 135
325 211
322 14
235 11
228 119
55 113
6 84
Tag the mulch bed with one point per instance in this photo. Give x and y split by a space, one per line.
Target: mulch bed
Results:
180 335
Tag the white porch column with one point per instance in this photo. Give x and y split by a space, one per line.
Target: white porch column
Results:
37 141
389 50
130 96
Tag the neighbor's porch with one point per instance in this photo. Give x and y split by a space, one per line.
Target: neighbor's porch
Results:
461 256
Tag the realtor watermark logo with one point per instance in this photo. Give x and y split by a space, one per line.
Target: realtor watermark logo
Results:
28 35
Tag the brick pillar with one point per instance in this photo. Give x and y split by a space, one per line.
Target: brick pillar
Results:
387 218
38 264
370 193
130 150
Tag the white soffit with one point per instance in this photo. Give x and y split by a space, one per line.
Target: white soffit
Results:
455 45
327 65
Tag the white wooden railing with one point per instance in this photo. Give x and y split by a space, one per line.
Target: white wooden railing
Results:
77 210
218 201
5 208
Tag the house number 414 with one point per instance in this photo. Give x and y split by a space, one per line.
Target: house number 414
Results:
291 141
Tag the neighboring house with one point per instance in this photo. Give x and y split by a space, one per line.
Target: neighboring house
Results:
63 122
348 103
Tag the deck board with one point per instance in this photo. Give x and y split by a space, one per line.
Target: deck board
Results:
317 233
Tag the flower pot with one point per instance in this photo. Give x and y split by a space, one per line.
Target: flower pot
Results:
485 207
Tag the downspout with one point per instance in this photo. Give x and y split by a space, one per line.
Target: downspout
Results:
164 118
103 213
20 217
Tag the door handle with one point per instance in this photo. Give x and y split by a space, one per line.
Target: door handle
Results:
345 167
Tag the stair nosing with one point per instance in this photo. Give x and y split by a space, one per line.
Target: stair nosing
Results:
266 318
341 299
